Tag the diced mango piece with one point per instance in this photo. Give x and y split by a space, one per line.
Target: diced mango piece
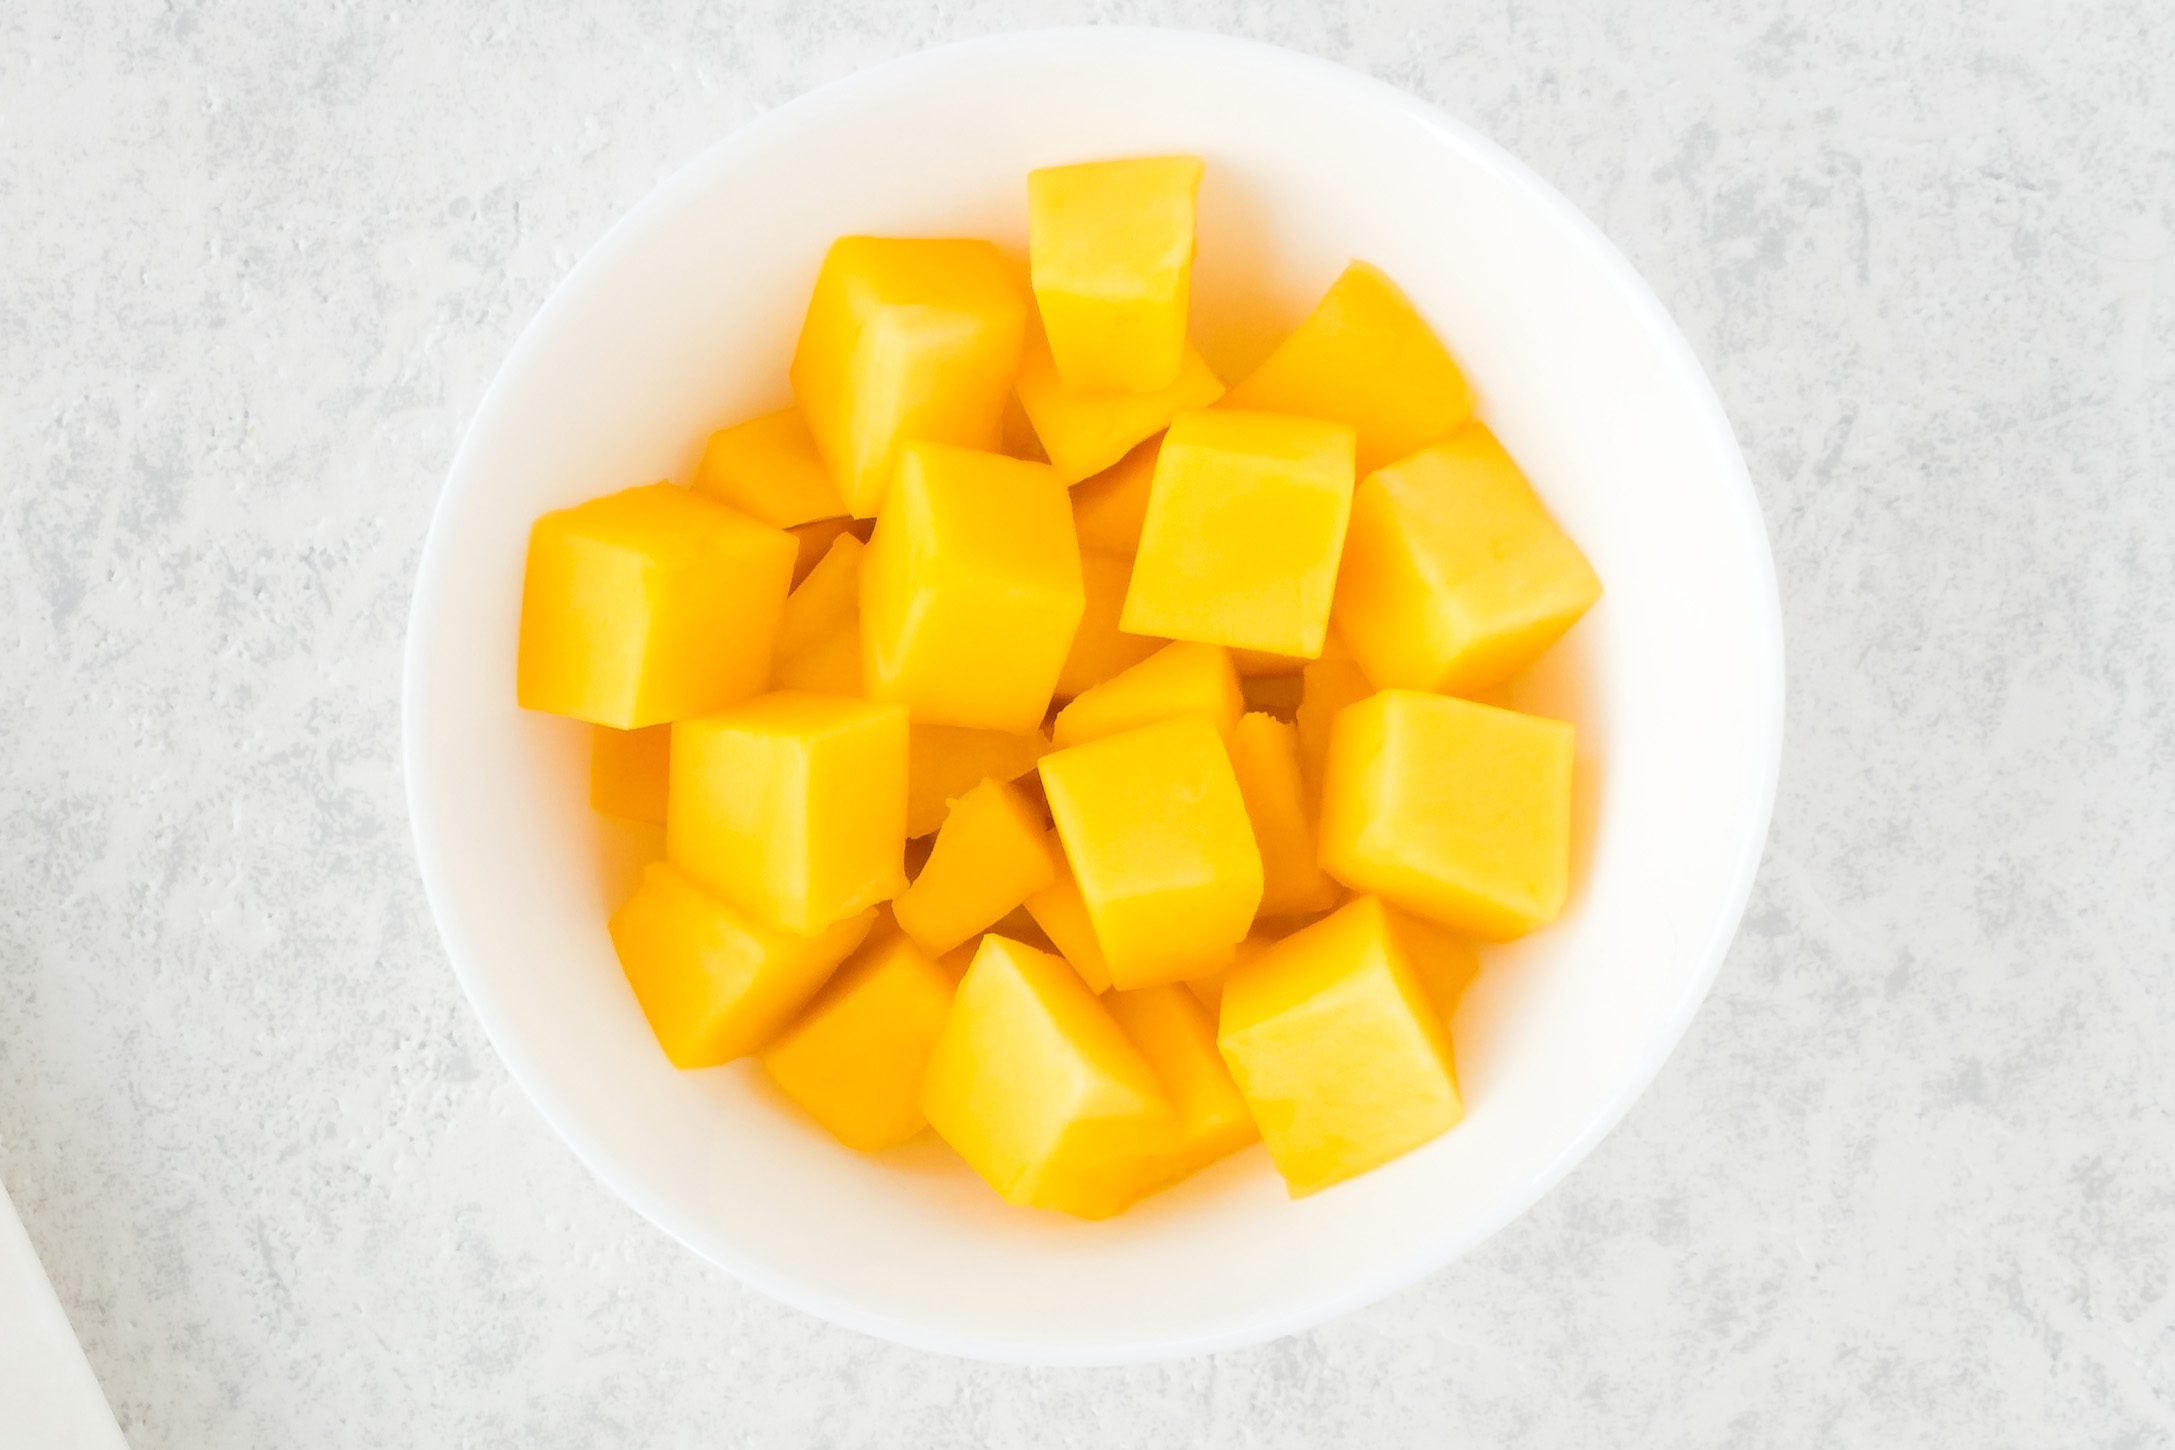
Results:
1110 248
970 591
792 806
1099 648
1339 1053
1178 1037
1367 358
1063 917
714 982
855 1059
819 635
628 770
1178 679
1157 836
1085 432
1443 962
814 540
906 339
768 468
989 857
1327 685
944 762
1107 509
1036 1086
1455 577
1455 811
1245 526
1265 756
648 605
1208 990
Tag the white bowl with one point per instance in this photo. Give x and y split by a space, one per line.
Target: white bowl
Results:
682 319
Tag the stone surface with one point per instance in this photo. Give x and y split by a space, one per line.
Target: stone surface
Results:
1911 1178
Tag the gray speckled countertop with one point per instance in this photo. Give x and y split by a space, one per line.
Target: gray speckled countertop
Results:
1911 1177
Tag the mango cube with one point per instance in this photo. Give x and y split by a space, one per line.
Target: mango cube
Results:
906 339
791 806
1177 1035
1063 917
1178 679
1455 577
813 541
1244 531
1443 962
819 635
1033 1083
1099 648
855 1059
648 605
1110 248
944 762
1083 433
1265 757
769 469
628 770
1107 510
1341 1057
714 982
989 857
1455 811
1157 836
1364 357
970 591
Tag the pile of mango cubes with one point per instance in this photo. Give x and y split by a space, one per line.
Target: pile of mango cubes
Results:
1058 748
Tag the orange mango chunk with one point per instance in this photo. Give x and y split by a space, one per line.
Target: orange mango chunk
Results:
855 1059
714 982
970 590
906 339
1108 509
1265 757
1099 648
628 770
792 806
1110 250
1456 811
1157 836
1364 357
989 857
768 468
1245 526
646 606
1340 1055
1178 1037
819 635
1035 1085
1083 433
944 762
1058 909
1178 679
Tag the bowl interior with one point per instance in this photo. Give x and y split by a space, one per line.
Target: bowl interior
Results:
683 320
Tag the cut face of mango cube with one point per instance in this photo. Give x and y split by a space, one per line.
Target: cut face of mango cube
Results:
768 468
628 770
1110 247
1157 836
1085 432
1037 1088
792 807
1455 811
1455 577
906 339
970 591
1339 1053
1107 509
1265 756
819 635
1245 526
1178 679
944 762
1365 357
648 605
1099 648
1063 917
989 857
714 982
1178 1037
855 1059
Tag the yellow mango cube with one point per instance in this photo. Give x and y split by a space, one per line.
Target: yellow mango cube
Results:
1244 530
1364 357
1455 577
1107 509
1176 680
715 982
1110 250
944 762
1157 836
769 469
1340 1055
628 770
1177 1035
1326 686
906 339
989 857
1443 962
1063 917
1099 648
1455 811
855 1059
813 541
1083 433
1034 1084
1265 757
970 590
819 635
791 806
648 605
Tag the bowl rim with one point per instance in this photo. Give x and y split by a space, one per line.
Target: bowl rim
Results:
1428 1255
